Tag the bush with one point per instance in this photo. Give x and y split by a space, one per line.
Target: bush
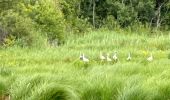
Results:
3 34
75 23
111 23
78 26
33 22
48 17
19 28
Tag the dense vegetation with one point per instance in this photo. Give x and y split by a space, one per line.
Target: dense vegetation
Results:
35 22
41 41
58 74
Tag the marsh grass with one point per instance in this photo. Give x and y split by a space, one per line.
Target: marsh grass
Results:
58 74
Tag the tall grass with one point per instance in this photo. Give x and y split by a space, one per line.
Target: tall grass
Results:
57 73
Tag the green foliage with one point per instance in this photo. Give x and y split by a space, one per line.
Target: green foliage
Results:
19 28
168 56
78 26
9 41
55 92
125 12
37 22
52 73
2 87
31 22
75 23
111 23
5 71
48 17
81 65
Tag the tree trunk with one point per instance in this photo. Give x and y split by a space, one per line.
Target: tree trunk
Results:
159 4
158 17
122 1
94 6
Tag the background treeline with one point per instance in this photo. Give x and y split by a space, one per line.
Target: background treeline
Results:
48 22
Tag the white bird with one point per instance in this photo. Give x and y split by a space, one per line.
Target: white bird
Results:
83 58
115 58
129 57
150 58
108 58
102 57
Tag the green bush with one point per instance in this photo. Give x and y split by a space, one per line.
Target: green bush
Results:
74 22
111 23
19 28
32 23
48 17
78 26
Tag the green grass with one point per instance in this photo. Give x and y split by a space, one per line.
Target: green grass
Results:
57 73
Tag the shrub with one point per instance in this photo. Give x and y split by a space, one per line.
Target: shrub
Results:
78 26
75 23
19 28
28 19
111 23
3 34
48 17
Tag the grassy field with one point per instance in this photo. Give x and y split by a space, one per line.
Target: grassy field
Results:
58 74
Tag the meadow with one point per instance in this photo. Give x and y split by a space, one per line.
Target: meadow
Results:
56 73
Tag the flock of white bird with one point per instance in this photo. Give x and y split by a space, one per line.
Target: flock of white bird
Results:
114 58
